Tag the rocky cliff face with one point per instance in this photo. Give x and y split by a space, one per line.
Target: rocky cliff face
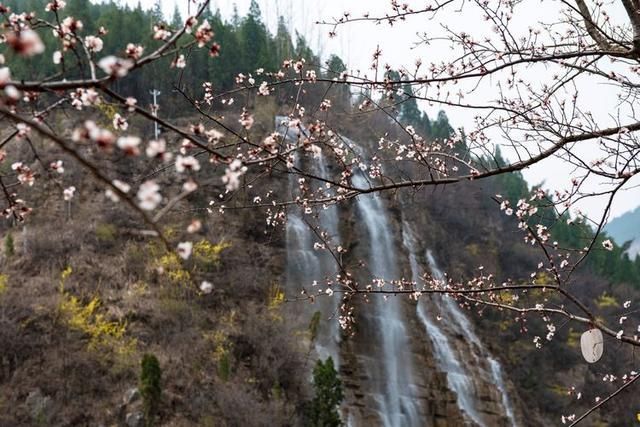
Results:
407 362
436 404
434 376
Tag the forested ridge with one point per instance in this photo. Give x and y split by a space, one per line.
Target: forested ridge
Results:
246 45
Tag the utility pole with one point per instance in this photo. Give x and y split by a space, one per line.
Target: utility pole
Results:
155 93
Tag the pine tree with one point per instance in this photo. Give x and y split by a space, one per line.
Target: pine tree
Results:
283 43
9 246
440 128
254 39
410 113
323 409
150 387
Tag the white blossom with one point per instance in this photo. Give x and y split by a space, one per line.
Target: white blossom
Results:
119 122
94 44
69 192
120 185
184 249
206 287
114 66
263 89
55 5
232 175
5 75
149 195
129 144
26 42
184 163
158 149
195 226
134 51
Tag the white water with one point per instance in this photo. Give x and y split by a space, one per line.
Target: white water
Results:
306 265
328 343
303 263
461 323
395 398
496 372
391 369
458 378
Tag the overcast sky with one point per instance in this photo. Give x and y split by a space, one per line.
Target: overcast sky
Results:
356 42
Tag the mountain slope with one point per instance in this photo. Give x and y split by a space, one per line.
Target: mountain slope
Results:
626 228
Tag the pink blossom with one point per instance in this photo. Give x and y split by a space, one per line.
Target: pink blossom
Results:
158 149
94 44
184 163
70 25
189 186
263 89
179 62
68 193
114 66
195 226
203 34
232 175
57 166
25 174
25 42
246 120
149 195
122 186
191 22
160 32
23 130
270 143
5 76
134 51
214 51
55 5
119 122
213 136
130 145
131 104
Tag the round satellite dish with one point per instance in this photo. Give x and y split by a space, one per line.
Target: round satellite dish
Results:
592 345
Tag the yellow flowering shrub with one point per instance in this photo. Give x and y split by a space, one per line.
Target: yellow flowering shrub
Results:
171 266
4 283
206 255
222 345
87 318
606 300
275 301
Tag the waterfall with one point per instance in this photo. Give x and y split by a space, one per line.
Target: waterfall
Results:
496 372
328 341
306 266
458 379
394 395
385 382
459 321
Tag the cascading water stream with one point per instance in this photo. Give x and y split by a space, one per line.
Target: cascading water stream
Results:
459 321
496 372
458 378
306 265
395 397
388 363
328 341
